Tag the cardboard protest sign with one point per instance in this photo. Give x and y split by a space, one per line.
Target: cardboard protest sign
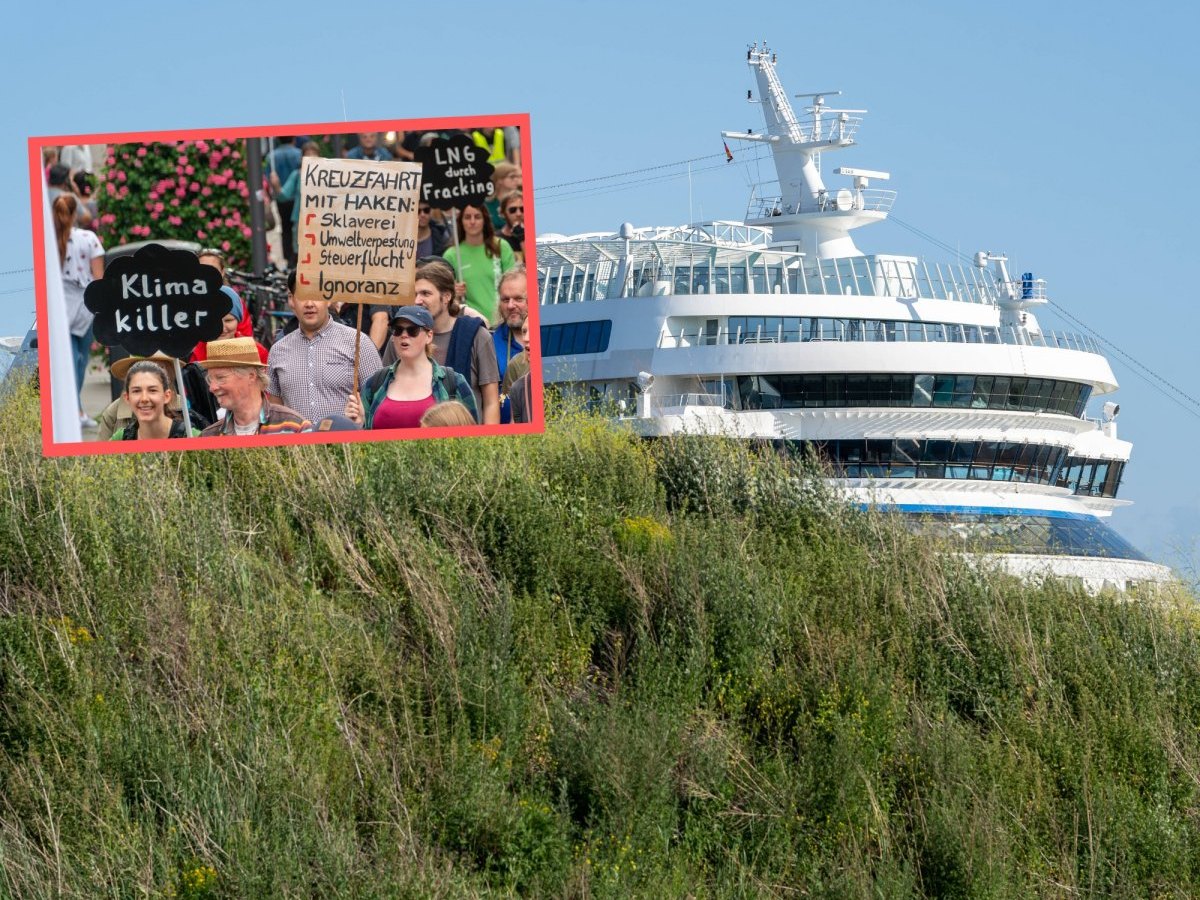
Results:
357 231
157 299
455 173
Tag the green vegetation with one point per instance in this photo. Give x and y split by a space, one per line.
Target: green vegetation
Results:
572 665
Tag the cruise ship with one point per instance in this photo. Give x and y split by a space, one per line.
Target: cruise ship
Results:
929 387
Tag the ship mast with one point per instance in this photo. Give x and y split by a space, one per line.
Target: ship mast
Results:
801 210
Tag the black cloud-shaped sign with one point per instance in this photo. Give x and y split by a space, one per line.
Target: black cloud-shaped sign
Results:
455 172
157 299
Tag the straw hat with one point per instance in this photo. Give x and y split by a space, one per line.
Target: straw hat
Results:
238 351
121 367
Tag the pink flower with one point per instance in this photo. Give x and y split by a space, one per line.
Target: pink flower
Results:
235 155
202 146
200 213
183 160
154 214
175 220
229 223
246 231
110 189
180 192
201 233
244 192
225 246
158 207
179 170
194 187
174 201
205 191
154 195
141 151
123 192
189 170
137 163
111 161
120 175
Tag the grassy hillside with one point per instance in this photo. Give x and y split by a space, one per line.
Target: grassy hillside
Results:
574 665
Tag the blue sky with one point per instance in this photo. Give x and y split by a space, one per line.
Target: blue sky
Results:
1061 134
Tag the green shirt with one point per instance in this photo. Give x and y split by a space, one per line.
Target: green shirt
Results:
482 274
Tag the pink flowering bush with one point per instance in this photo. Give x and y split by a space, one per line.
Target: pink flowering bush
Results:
185 190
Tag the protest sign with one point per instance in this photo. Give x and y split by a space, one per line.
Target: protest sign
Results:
157 300
455 173
357 231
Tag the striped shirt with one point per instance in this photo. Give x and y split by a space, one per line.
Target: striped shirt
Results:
315 376
272 419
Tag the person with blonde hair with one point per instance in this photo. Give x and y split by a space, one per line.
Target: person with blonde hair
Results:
81 257
447 415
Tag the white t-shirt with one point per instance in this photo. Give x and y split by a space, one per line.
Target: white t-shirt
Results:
82 247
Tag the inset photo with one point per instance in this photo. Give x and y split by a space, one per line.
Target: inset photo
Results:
301 284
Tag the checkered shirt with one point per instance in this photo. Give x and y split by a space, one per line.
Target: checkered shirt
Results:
315 376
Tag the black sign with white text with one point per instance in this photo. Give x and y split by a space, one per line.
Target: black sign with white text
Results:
455 172
157 299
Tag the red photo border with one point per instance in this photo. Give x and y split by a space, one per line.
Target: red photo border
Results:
50 447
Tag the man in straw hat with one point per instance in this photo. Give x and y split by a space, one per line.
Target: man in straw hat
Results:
238 381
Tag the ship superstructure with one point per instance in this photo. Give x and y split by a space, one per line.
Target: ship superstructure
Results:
928 387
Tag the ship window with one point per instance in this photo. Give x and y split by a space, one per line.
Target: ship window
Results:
990 334
576 337
791 329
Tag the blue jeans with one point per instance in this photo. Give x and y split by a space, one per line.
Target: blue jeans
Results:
80 350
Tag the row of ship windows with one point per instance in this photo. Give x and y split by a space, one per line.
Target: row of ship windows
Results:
797 329
979 460
592 336
898 390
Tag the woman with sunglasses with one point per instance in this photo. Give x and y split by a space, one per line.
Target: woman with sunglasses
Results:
399 395
479 260
512 207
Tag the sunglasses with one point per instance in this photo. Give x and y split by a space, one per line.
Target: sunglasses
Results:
411 330
423 209
513 209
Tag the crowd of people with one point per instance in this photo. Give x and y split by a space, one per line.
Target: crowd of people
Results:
441 361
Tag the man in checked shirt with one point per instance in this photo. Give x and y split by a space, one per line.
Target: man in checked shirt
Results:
311 369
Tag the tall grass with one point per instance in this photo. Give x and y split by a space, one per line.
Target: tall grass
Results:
572 665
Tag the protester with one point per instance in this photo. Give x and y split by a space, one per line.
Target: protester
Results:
211 256
237 379
230 323
506 178
433 237
288 193
512 208
312 368
81 256
201 406
461 342
368 148
450 414
479 260
285 160
58 183
148 393
399 395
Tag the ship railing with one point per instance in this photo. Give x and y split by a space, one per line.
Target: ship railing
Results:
795 329
766 206
675 268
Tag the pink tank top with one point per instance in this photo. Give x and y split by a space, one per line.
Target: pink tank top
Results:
400 413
